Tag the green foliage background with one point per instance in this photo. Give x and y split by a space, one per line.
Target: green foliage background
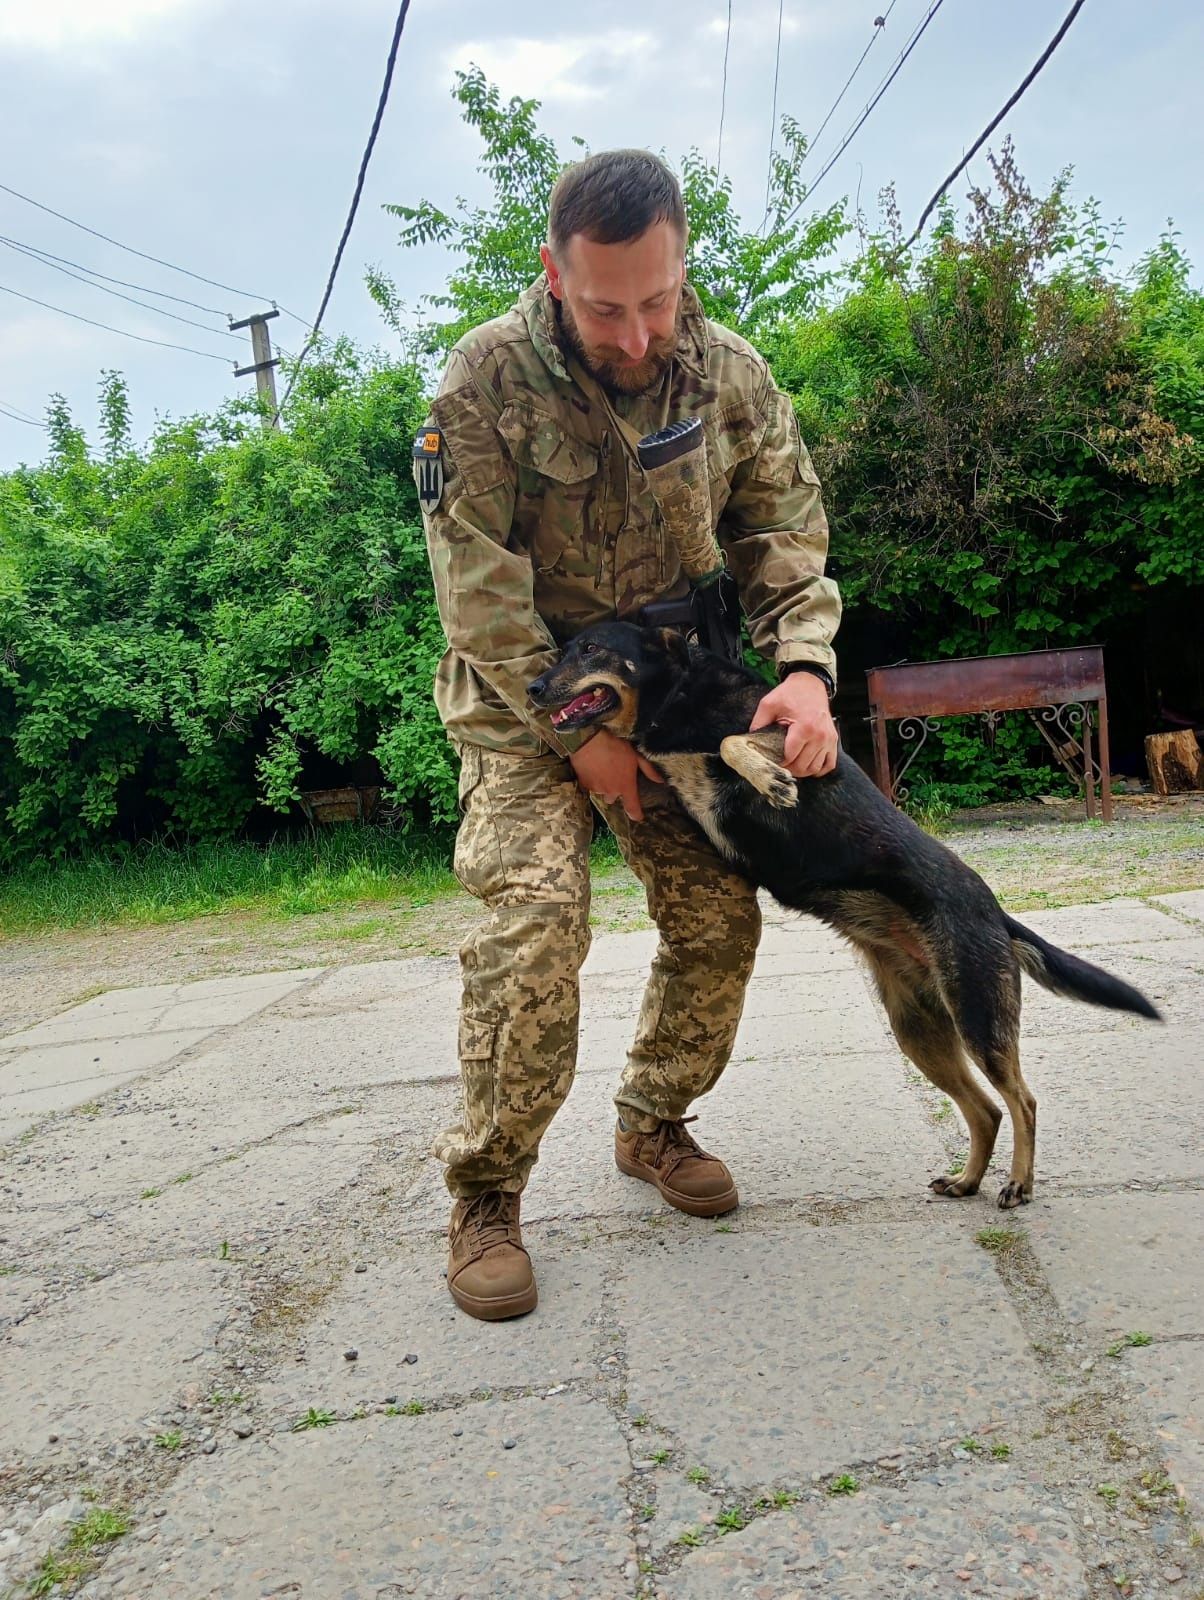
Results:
1006 429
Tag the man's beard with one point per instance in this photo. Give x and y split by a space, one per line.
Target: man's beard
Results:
611 367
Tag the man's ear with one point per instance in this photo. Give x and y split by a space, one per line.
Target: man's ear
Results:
675 646
553 271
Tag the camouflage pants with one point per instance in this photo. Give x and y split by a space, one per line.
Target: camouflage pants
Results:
523 849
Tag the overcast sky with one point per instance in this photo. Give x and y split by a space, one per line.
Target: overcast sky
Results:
225 138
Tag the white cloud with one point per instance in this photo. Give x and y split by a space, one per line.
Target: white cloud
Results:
554 71
51 24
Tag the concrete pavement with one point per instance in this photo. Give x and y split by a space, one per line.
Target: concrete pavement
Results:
223 1316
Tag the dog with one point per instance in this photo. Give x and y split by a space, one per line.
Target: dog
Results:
945 957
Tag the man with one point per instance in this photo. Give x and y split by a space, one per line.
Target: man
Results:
539 521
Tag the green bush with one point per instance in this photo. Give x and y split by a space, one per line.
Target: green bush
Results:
181 626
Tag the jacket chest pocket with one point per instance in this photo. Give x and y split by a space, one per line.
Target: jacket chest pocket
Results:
733 434
560 503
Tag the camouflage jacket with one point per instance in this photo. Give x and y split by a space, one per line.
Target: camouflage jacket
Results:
545 523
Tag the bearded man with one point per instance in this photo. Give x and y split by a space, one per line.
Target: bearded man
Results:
540 521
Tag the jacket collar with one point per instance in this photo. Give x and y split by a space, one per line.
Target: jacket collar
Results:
538 308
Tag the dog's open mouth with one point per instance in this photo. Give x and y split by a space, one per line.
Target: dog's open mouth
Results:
584 708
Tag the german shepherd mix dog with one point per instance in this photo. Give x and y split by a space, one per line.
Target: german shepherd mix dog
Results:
944 955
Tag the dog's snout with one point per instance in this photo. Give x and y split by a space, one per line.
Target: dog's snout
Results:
537 688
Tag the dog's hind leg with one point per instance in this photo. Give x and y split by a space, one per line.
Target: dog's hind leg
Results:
758 757
928 1036
1002 1067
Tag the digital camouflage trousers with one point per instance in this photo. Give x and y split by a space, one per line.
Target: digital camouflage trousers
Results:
523 849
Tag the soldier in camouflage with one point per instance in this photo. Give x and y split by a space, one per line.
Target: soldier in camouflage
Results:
540 521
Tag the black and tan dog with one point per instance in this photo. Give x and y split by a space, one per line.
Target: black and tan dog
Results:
945 957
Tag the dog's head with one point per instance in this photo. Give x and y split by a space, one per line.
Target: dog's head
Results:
607 672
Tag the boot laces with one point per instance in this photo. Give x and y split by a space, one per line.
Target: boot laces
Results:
490 1219
673 1145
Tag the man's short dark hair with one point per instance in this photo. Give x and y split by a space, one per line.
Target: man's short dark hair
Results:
612 198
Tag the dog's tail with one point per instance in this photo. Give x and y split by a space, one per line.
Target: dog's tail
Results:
1067 975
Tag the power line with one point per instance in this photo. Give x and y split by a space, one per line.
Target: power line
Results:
994 123
916 36
36 255
159 262
15 415
727 44
879 26
355 200
773 115
160 294
141 337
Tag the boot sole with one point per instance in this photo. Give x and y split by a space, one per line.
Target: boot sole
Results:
711 1206
498 1308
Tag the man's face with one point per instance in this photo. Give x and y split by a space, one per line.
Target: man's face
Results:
620 305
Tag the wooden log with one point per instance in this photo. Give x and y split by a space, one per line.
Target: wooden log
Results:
1175 761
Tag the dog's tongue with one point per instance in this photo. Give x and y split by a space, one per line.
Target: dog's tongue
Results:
579 704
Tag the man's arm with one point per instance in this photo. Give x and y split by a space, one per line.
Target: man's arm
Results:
776 536
483 587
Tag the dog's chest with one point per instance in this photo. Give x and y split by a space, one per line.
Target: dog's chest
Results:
690 779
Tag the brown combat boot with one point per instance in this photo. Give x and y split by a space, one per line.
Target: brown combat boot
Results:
686 1176
488 1271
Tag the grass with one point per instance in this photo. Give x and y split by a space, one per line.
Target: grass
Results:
659 1457
698 1475
1001 1452
150 1194
156 882
171 1440
77 1556
997 1240
844 1483
413 1408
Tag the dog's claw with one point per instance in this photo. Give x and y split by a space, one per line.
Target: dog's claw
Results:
1013 1195
782 792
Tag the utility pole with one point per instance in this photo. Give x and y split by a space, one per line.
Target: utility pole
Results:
264 364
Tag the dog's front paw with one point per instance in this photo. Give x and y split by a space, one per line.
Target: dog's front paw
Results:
1012 1195
781 789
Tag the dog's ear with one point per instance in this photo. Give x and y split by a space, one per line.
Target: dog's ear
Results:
675 646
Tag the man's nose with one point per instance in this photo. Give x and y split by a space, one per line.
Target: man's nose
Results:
633 341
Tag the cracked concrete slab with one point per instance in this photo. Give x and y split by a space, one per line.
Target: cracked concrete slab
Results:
163 1008
411 1342
946 1533
840 1322
1169 1380
1116 1262
822 1346
399 1506
1102 1103
89 1369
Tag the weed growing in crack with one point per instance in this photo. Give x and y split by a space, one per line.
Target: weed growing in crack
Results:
690 1537
313 1418
731 1519
1132 1341
698 1475
171 1440
659 1457
413 1408
1001 1452
997 1240
77 1558
844 1483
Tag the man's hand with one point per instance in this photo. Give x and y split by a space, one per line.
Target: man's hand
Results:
610 768
800 702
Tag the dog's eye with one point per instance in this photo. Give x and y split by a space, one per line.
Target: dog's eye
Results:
587 649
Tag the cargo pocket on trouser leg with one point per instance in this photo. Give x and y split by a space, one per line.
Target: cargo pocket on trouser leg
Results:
463 1147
